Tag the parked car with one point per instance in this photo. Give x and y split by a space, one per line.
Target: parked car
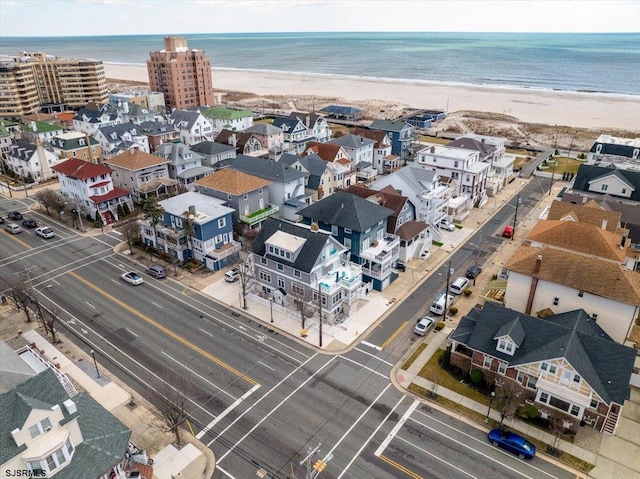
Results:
423 325
508 232
473 272
400 266
232 275
459 285
13 228
447 225
14 215
29 223
157 271
45 232
512 443
1 220
133 278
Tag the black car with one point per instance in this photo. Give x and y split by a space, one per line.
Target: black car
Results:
29 223
473 272
14 215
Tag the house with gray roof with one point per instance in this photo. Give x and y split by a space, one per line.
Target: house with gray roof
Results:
118 138
158 133
399 132
320 182
597 181
88 120
317 126
269 135
287 189
184 165
294 263
134 113
45 431
357 147
193 126
216 155
613 149
31 161
361 226
296 134
562 364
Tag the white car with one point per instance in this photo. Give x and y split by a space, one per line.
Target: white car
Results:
133 278
232 275
45 232
423 325
446 225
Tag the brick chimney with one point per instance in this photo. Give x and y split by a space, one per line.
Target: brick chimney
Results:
534 284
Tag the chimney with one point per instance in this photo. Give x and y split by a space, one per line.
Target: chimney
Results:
604 224
131 151
536 269
34 126
534 285
433 149
45 169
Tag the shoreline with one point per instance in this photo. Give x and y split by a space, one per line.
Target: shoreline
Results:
549 107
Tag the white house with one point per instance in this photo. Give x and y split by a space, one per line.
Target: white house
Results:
88 121
359 148
222 118
89 187
185 165
29 160
42 130
193 126
118 138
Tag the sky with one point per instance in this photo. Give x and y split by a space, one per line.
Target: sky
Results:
127 17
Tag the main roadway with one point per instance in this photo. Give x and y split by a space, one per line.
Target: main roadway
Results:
258 398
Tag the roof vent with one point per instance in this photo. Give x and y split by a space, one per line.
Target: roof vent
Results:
70 406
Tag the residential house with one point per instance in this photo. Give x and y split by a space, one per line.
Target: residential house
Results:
426 118
317 126
119 138
31 161
466 171
5 139
215 154
359 148
143 174
342 112
184 165
90 188
41 130
74 144
152 100
415 238
322 180
491 150
48 429
361 226
136 114
548 280
400 132
597 181
296 134
294 263
244 143
248 195
88 120
223 118
158 133
429 197
270 136
383 161
193 126
211 240
563 364
613 149
344 171
287 187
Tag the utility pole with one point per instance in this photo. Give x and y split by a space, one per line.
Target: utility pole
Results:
446 292
515 217
318 466
320 313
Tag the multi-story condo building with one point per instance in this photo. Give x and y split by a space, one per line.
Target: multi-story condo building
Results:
33 79
183 75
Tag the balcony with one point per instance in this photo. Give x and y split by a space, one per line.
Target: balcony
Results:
382 251
347 276
258 216
224 251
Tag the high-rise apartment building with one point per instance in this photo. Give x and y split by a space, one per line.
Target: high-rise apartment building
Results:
34 79
183 75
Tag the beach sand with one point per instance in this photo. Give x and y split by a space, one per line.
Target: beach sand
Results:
584 110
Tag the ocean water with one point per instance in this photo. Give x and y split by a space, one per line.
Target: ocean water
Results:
599 63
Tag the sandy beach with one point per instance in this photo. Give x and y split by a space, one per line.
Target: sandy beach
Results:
582 110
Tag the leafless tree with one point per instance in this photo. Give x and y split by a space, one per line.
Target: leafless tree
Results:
556 428
507 399
244 263
302 298
172 401
49 198
130 229
18 293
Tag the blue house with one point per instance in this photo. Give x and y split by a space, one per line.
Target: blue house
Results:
361 226
399 132
212 239
426 118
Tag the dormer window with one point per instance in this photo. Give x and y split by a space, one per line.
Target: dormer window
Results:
40 428
505 345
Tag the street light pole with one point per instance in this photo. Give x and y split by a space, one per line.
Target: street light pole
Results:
95 363
493 395
515 217
446 292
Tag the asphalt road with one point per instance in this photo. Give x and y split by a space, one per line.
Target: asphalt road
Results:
259 399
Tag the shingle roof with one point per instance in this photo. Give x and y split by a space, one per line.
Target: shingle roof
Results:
411 229
389 125
311 250
135 159
22 150
184 119
81 169
315 165
604 364
387 197
377 135
347 211
241 137
119 130
264 129
600 277
269 170
287 124
178 153
224 113
233 182
587 173
472 144
582 238
210 148
590 213
326 151
72 142
41 127
352 141
153 128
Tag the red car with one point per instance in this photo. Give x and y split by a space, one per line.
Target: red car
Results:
508 232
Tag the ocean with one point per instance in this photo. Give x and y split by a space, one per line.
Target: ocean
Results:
598 63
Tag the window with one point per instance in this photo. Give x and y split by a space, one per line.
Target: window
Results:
552 369
505 346
594 404
297 289
347 242
559 404
336 297
264 276
556 301
487 362
280 282
520 377
604 187
531 382
502 367
263 260
280 267
40 428
347 231
575 410
544 366
222 222
296 273
544 397
580 294
334 230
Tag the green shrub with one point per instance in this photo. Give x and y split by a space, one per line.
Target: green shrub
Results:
440 325
453 310
475 376
125 209
467 292
531 411
446 356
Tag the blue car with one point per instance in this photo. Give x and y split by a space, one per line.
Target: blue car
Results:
513 443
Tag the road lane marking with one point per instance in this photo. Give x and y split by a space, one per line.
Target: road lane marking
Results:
366 443
373 356
400 467
202 378
268 367
156 304
91 305
371 345
164 329
396 428
13 237
393 336
424 451
221 416
131 332
373 371
40 249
